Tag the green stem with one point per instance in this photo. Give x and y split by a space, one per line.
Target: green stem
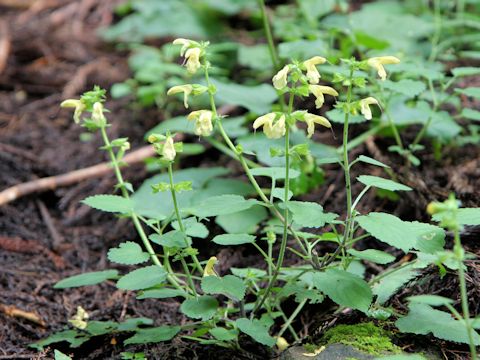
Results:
268 33
438 28
134 217
291 318
458 250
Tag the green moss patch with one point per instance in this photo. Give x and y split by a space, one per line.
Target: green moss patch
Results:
365 337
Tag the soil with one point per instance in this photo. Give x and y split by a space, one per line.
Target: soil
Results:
54 53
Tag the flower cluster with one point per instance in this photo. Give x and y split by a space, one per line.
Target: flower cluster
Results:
194 52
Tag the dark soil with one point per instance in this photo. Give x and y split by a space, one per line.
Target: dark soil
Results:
54 54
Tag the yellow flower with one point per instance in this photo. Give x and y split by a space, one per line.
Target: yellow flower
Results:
79 320
168 151
185 44
271 130
365 107
378 62
313 75
203 122
312 119
192 56
209 268
280 78
318 91
78 105
97 114
282 344
186 89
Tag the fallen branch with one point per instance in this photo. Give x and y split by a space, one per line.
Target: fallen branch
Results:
53 182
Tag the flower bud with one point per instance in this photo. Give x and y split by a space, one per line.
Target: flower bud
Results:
168 151
282 344
192 57
209 268
97 114
280 78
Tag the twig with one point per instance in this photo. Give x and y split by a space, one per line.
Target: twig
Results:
53 182
12 311
57 239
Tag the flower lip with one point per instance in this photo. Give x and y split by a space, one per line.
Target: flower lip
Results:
270 129
378 62
280 79
312 119
365 106
203 122
186 89
318 91
313 75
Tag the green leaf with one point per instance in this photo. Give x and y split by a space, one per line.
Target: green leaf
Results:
142 278
371 161
465 71
432 300
223 334
245 221
404 235
344 288
132 324
389 284
163 293
382 183
233 239
221 205
110 203
73 338
470 114
257 99
256 57
153 335
192 228
277 173
423 319
172 239
128 253
465 216
309 214
90 278
407 87
256 330
61 356
375 256
203 307
228 285
473 92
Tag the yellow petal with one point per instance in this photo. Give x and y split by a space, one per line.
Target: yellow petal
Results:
280 79
262 120
209 268
168 151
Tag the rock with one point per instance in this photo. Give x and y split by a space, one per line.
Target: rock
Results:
331 352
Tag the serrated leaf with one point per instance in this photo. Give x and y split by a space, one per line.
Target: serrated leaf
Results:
375 256
142 278
344 288
309 214
423 319
233 239
245 221
371 161
221 205
90 278
470 114
163 293
228 285
407 87
132 324
404 235
153 335
389 284
382 183
192 228
473 92
172 239
110 203
202 307
432 300
223 334
465 216
128 253
465 71
73 338
277 173
256 330
61 356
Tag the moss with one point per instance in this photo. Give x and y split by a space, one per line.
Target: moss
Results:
365 337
